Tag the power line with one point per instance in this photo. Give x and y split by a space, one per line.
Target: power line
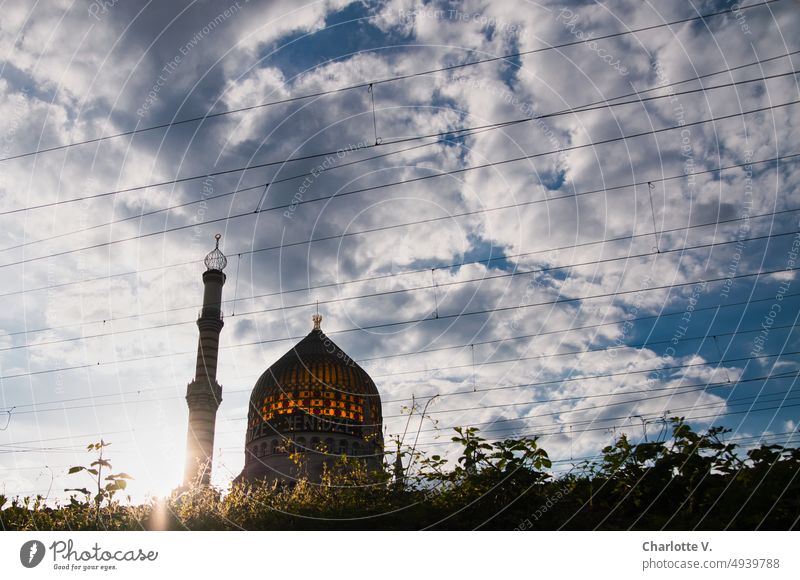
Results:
518 272
249 168
673 391
461 346
695 78
655 415
791 374
790 157
677 390
735 402
467 131
422 320
763 438
365 84
527 157
584 378
296 203
437 443
462 133
573 352
719 362
557 301
103 433
393 292
620 426
212 197
658 415
540 433
573 328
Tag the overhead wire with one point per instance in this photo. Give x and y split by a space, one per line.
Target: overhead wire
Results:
340 195
464 132
484 311
659 316
209 115
434 285
791 157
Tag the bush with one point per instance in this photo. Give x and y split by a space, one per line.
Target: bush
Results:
691 481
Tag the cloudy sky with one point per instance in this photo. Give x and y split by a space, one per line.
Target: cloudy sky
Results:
574 276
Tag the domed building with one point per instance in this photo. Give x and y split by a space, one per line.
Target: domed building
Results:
312 406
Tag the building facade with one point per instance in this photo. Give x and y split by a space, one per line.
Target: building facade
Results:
312 406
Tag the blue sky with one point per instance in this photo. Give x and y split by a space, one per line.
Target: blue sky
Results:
579 267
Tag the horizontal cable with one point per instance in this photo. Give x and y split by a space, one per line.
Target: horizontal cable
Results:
341 195
724 403
464 132
629 425
731 384
460 346
365 84
560 381
676 390
792 157
426 319
483 278
572 352
470 131
673 391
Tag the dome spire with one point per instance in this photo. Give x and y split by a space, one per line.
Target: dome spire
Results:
317 318
216 260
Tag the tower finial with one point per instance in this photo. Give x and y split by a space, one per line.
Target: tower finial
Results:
216 260
317 318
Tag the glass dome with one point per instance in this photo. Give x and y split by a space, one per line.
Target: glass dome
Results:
216 260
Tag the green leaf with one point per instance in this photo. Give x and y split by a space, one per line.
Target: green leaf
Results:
117 485
102 462
75 469
82 490
92 471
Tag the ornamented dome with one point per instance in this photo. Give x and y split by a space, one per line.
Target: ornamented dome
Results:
317 401
216 260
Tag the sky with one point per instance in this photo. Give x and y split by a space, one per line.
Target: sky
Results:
573 276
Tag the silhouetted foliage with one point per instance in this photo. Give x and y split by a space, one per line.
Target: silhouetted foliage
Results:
690 481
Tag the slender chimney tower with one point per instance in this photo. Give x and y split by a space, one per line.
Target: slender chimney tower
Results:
204 393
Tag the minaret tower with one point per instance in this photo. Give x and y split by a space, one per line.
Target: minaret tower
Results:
204 393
